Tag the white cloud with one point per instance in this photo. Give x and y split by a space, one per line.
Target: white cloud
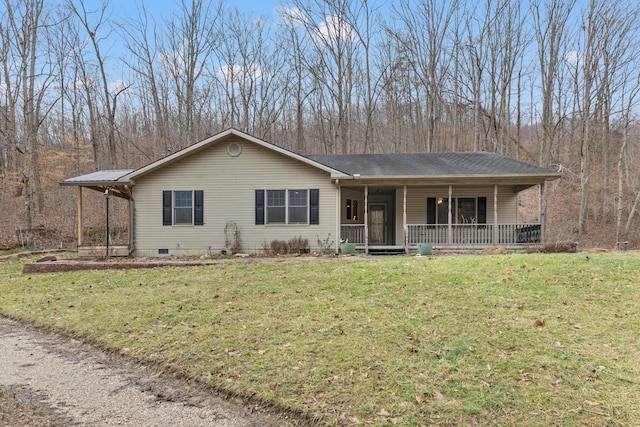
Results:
292 15
237 74
573 57
334 28
117 86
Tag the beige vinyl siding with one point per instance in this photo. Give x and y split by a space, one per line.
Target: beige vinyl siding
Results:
417 203
229 185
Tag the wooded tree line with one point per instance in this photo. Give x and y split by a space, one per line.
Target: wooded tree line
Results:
554 82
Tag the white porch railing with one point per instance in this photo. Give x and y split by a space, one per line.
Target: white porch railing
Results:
353 233
461 234
474 234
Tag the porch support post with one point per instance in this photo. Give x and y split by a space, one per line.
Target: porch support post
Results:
450 219
79 215
495 214
542 212
338 214
366 220
405 230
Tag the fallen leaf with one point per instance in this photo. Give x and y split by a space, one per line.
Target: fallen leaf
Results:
234 353
539 321
437 395
383 413
502 354
577 327
261 352
420 400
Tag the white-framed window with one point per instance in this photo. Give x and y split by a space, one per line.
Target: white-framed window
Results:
287 207
183 207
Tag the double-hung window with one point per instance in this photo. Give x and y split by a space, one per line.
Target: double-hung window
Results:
183 207
276 207
287 207
298 207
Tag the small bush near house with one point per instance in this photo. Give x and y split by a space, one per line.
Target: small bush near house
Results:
296 245
560 247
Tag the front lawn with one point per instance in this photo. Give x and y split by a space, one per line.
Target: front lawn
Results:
486 340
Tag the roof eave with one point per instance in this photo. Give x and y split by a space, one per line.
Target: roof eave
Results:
94 183
513 178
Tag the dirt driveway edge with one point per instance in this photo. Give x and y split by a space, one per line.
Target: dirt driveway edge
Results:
81 385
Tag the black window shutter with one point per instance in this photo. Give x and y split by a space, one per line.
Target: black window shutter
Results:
198 205
314 206
431 210
482 210
259 207
166 208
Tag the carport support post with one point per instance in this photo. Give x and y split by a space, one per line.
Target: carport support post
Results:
106 198
79 216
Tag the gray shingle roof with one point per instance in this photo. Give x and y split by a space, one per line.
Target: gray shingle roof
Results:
430 165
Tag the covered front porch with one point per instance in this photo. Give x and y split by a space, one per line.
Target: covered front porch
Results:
453 217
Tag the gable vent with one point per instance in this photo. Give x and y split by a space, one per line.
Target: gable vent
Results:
234 149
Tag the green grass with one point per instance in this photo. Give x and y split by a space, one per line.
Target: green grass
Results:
390 341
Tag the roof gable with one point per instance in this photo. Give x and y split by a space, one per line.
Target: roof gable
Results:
220 137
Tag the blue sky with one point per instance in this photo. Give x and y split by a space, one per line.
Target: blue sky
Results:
164 7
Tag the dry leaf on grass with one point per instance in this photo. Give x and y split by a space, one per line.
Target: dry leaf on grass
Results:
384 414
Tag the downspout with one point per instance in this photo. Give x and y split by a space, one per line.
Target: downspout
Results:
132 205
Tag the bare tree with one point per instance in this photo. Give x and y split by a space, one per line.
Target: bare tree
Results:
192 38
550 19
331 61
28 75
144 42
97 31
425 34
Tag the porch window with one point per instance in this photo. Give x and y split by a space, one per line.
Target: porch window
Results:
183 207
352 210
287 206
464 210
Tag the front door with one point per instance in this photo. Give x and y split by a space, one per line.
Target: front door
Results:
377 224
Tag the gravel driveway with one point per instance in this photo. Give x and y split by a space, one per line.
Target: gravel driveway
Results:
83 386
